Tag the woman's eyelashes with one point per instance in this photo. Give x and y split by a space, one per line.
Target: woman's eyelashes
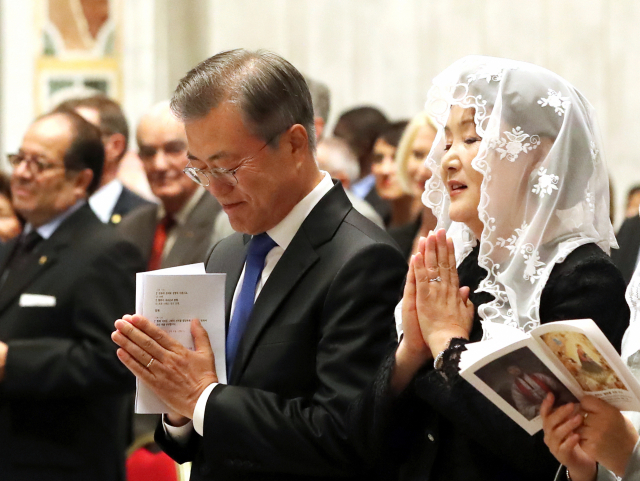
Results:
468 141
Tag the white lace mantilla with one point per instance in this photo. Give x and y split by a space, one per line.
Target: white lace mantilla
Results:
544 190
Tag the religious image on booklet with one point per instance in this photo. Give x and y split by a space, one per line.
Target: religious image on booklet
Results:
570 359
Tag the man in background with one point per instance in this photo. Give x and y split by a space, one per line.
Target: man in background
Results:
180 230
335 157
112 200
62 389
321 100
360 127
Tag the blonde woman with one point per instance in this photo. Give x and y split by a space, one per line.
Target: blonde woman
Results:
413 173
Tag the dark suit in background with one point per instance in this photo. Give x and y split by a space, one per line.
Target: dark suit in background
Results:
626 256
193 238
381 206
318 331
127 201
61 400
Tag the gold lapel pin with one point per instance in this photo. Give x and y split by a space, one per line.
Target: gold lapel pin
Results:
116 218
43 260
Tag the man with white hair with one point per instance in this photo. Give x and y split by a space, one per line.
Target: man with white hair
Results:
180 230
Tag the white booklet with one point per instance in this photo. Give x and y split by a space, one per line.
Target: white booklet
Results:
171 298
568 358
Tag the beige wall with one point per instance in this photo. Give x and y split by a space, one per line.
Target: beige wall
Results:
384 52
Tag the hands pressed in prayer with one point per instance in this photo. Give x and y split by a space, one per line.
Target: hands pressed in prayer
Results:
433 311
443 307
175 374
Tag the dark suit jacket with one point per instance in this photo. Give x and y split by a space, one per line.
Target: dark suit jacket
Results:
127 202
193 240
449 431
61 398
318 330
629 241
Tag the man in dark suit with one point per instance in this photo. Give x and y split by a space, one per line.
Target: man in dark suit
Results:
324 279
112 201
62 387
626 256
185 219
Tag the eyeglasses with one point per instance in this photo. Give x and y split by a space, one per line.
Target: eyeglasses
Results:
224 176
35 164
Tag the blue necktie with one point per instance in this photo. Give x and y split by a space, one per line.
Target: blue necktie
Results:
259 247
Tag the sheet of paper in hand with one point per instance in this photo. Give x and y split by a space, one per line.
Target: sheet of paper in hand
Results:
570 359
171 298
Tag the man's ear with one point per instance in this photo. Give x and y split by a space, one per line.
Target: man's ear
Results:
82 181
114 146
298 140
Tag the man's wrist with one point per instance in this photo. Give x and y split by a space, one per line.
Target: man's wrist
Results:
176 420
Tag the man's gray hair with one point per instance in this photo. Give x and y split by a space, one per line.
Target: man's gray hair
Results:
321 98
271 93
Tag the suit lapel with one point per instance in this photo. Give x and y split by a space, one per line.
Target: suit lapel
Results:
319 227
39 261
195 234
230 260
45 255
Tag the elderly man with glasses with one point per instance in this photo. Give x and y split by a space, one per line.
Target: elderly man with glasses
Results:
62 389
310 288
180 230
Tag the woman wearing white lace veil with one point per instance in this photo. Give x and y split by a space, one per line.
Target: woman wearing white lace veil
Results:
598 432
518 171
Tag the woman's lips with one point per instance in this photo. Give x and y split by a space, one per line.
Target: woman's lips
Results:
455 187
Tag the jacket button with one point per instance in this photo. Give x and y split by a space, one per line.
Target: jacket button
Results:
430 437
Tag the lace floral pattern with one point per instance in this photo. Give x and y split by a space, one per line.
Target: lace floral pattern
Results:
533 265
547 183
557 101
512 242
515 143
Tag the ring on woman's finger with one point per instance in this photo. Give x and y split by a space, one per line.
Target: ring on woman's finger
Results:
436 279
150 362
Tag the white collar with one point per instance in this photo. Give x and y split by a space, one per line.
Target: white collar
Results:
283 233
47 230
104 200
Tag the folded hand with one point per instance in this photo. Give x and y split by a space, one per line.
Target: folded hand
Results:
443 307
175 374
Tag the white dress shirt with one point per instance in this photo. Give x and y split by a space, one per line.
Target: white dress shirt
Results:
104 200
282 234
